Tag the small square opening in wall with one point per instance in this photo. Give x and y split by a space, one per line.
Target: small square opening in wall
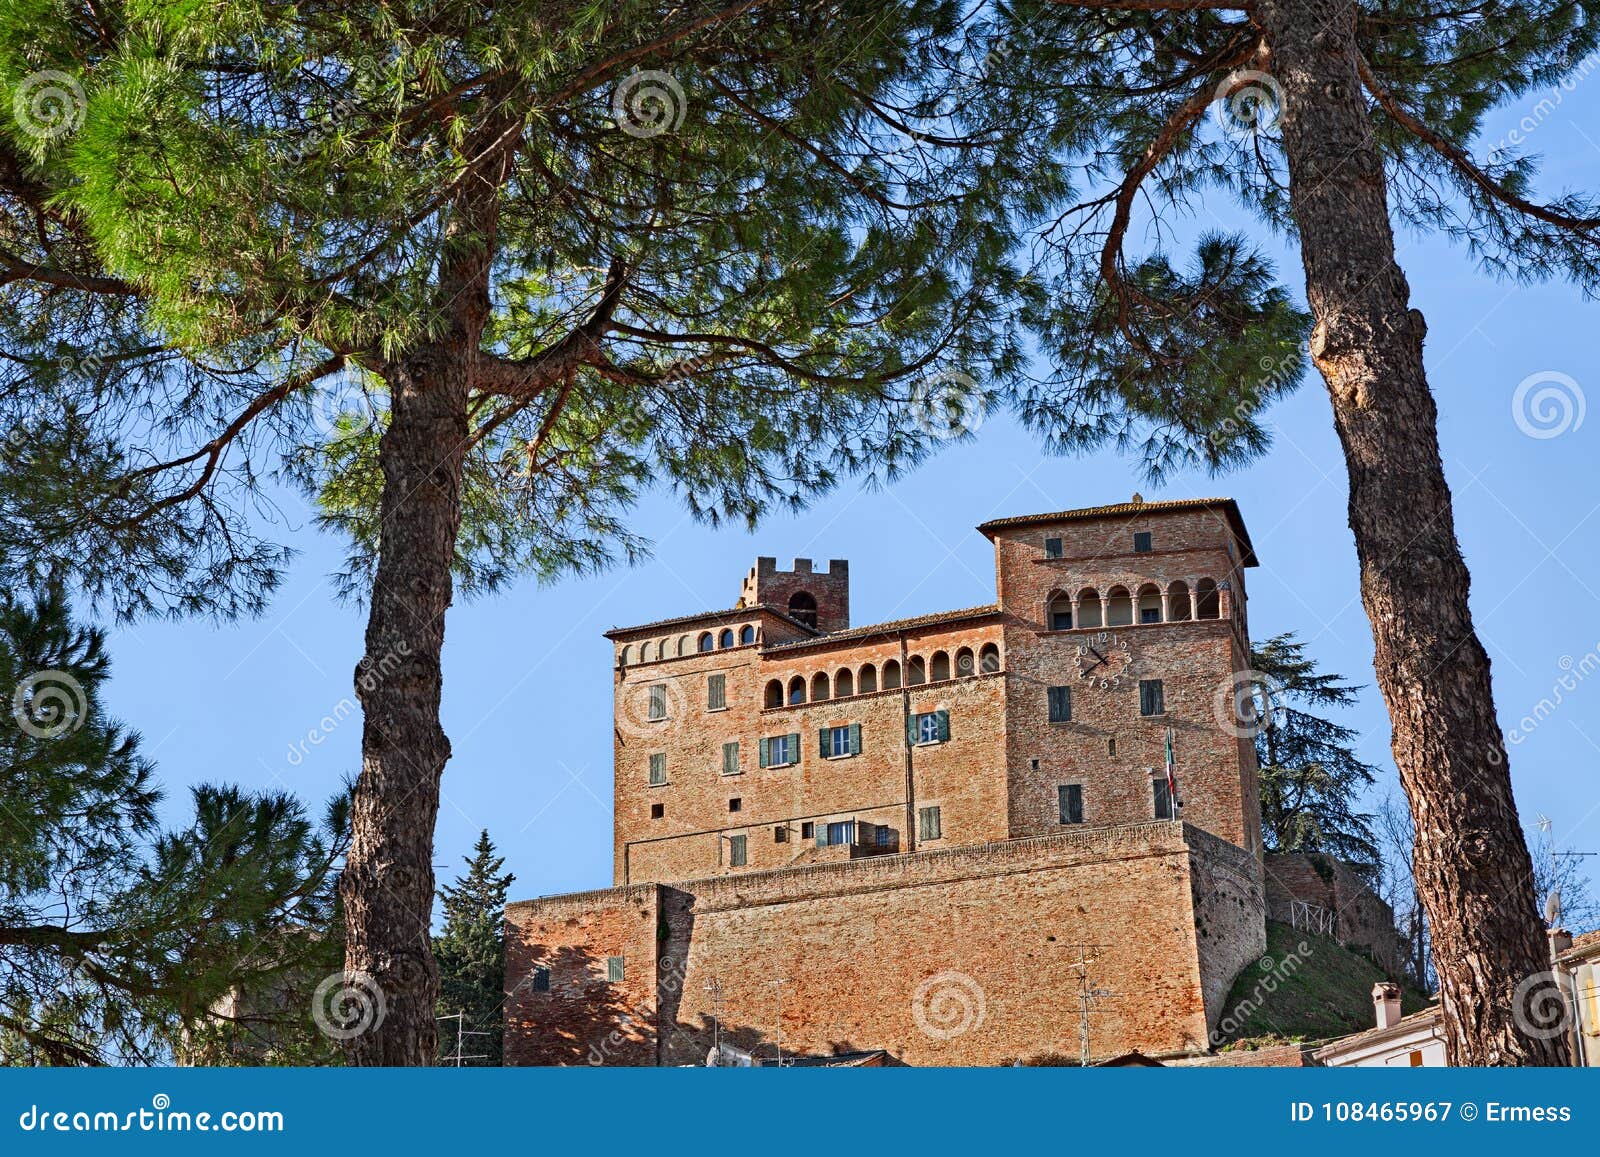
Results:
780 834
1052 548
735 804
808 830
1141 542
1033 765
658 811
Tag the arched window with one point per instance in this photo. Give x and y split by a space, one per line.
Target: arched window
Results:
706 642
747 635
1089 608
965 664
797 689
1119 607
726 638
989 659
891 674
1058 612
868 680
644 651
844 683
819 686
1178 601
1149 608
664 648
916 671
1207 603
774 697
626 657
803 606
683 645
941 666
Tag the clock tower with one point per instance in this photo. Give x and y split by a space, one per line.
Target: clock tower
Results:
1126 637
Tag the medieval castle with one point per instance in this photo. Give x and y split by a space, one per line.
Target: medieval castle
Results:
955 838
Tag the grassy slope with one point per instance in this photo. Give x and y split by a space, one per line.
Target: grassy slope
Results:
1317 994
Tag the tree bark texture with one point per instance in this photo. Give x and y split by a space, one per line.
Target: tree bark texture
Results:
1471 862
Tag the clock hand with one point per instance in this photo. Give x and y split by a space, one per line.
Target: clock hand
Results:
1097 654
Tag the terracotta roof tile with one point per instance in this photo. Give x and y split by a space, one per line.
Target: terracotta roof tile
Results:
1227 506
889 628
709 617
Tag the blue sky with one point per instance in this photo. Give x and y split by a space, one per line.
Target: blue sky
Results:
527 675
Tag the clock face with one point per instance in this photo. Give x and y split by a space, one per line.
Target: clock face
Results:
1104 660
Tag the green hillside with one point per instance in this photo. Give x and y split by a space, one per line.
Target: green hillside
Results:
1322 992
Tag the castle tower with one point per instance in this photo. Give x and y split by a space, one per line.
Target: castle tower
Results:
819 599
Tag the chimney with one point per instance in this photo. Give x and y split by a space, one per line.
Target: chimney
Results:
1560 941
1386 1001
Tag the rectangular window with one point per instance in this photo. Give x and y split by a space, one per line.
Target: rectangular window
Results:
716 692
1071 803
1052 548
780 750
1149 614
736 851
928 825
541 979
658 811
836 833
658 701
1152 698
736 804
807 829
928 727
837 742
658 769
1163 799
730 758
1141 542
885 836
614 969
1061 619
780 834
1061 705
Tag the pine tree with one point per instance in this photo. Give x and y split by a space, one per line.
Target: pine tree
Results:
121 942
1311 778
1328 120
476 278
471 950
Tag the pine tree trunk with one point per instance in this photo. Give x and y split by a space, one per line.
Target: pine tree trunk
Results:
1471 863
388 884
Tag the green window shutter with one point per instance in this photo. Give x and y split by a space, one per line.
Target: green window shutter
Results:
855 739
911 729
1061 705
928 824
822 835
658 769
614 969
1071 803
730 758
944 726
822 742
716 692
766 753
794 747
737 853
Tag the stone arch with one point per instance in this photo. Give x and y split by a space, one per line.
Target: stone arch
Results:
965 663
644 651
726 638
747 635
1058 611
1148 601
989 659
626 656
916 671
844 683
1180 608
867 680
939 668
803 606
1207 602
1089 609
891 674
819 687
774 694
797 689
1119 607
706 642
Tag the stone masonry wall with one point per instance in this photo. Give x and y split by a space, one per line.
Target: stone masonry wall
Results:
1361 920
961 956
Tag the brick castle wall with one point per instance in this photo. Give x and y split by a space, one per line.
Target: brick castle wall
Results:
961 956
1362 921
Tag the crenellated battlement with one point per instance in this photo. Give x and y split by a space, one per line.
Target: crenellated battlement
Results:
818 598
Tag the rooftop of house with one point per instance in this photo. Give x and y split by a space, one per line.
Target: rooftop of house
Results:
1227 507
